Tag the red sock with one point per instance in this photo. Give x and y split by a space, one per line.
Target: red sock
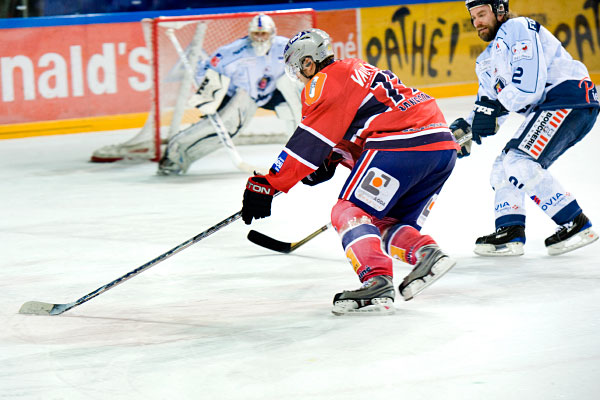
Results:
361 240
404 241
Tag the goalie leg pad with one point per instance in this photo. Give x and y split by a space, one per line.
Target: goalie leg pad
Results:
200 139
141 147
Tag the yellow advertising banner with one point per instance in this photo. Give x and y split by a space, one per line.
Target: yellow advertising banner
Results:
434 44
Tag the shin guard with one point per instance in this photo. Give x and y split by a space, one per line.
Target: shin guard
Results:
403 241
361 241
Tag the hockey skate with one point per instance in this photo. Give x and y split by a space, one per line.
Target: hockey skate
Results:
506 241
432 264
125 151
571 236
375 296
174 162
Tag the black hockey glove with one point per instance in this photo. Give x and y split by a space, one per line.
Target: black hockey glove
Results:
325 171
485 122
462 133
257 199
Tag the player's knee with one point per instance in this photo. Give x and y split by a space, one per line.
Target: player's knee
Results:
498 175
345 215
522 171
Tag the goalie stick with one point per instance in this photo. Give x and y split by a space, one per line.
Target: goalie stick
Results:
282 247
41 308
215 119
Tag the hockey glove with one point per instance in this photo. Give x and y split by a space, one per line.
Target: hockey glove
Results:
326 171
257 199
485 122
462 133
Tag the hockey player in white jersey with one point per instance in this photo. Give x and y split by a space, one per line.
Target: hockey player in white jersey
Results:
526 70
235 81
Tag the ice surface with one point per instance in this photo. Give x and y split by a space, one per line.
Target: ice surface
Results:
226 319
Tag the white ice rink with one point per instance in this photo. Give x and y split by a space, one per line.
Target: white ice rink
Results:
225 319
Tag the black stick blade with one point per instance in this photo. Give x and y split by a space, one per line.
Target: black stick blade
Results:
268 242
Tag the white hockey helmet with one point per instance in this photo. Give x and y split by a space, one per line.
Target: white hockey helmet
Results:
257 28
499 7
313 43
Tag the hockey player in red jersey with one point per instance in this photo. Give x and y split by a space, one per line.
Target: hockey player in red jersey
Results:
398 145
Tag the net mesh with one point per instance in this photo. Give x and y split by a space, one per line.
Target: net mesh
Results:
199 36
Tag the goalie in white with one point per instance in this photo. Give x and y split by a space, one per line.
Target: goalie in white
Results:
235 81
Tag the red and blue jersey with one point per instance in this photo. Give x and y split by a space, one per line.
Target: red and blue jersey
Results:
353 106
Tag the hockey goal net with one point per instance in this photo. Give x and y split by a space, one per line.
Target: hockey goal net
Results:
199 36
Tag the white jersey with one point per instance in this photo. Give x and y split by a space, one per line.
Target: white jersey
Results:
254 74
523 63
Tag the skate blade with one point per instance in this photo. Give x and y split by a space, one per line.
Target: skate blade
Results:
437 271
380 306
583 238
508 249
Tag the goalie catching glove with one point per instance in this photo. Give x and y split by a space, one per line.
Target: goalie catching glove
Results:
325 171
257 199
461 130
485 121
211 92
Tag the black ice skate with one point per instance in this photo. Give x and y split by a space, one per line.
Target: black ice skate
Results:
375 296
506 241
571 236
432 264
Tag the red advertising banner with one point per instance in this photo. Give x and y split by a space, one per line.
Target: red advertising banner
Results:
63 72
342 27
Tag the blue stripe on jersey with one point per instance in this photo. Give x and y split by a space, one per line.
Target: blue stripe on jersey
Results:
358 232
397 142
366 111
308 147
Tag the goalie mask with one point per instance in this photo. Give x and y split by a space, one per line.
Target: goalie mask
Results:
314 44
261 31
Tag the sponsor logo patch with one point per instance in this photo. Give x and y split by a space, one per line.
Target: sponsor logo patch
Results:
499 85
542 131
262 84
279 162
522 50
425 213
216 59
377 188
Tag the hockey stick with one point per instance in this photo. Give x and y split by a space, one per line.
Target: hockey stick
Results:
41 308
464 139
282 247
286 247
215 119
